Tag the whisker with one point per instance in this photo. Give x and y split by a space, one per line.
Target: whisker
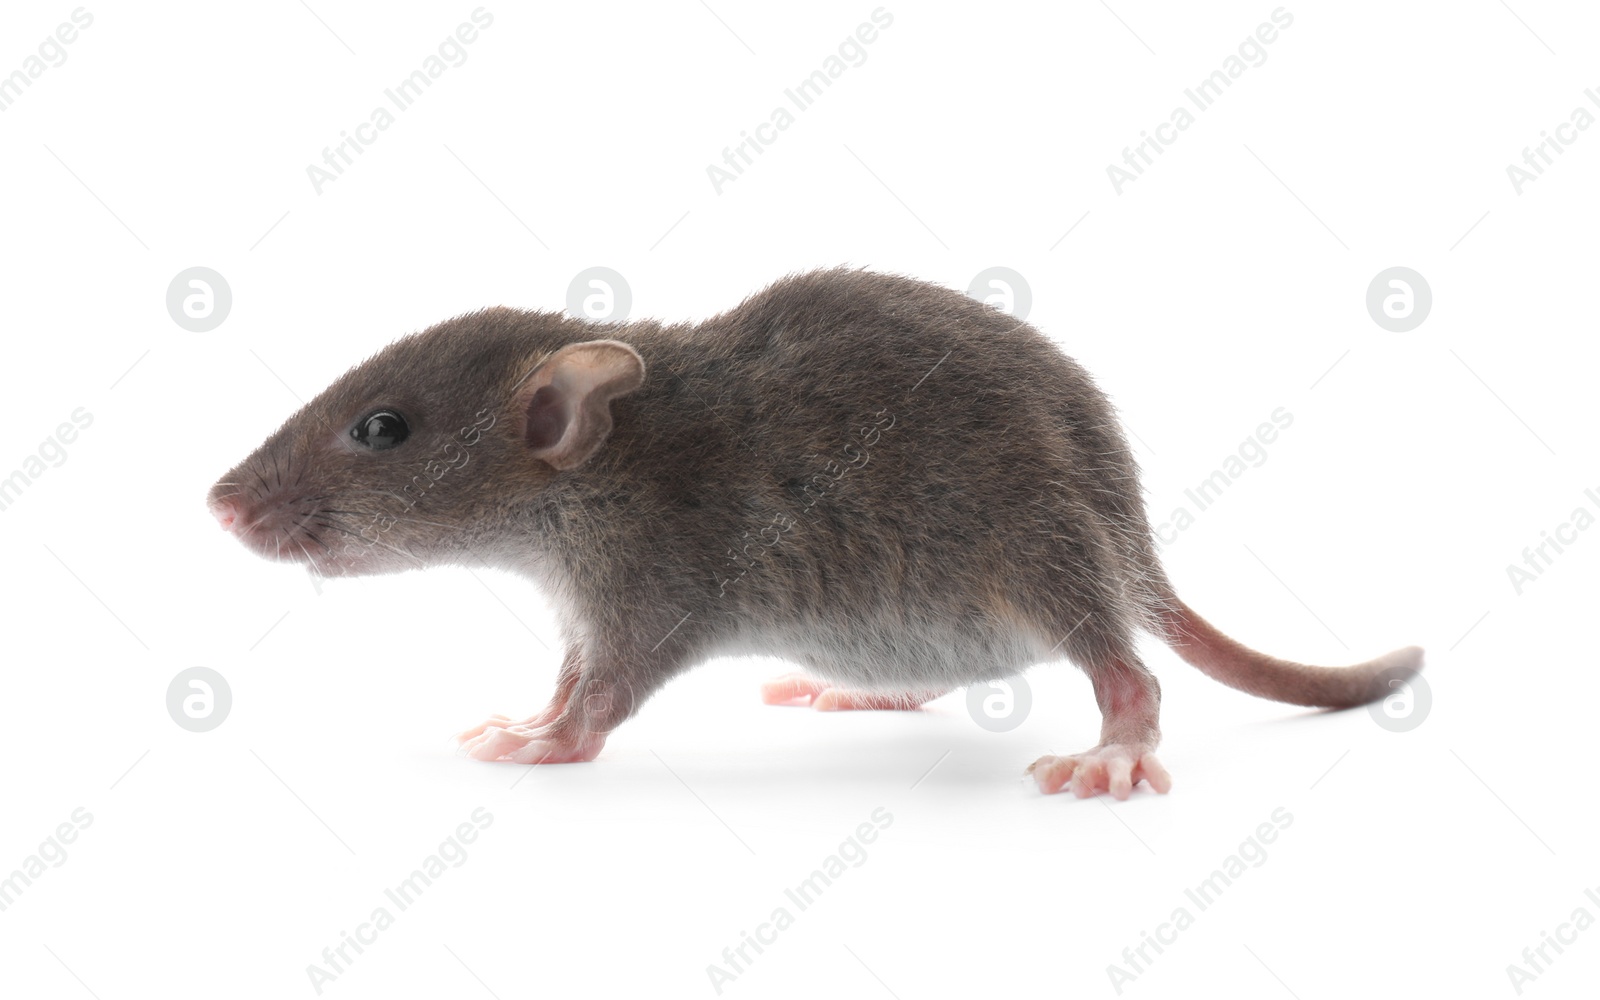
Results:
249 527
309 514
310 563
375 541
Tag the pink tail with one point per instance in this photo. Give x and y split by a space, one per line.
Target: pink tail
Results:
1242 668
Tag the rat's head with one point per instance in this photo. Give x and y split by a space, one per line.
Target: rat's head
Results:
424 453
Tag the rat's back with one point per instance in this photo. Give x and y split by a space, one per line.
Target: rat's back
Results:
880 477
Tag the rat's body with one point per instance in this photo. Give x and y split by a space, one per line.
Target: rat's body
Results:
888 482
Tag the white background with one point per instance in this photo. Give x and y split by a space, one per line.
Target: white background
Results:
1226 282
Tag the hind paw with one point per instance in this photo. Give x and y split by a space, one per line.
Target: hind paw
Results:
1114 768
799 689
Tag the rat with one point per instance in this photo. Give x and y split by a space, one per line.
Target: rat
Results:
899 488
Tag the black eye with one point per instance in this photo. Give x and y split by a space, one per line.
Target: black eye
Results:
380 430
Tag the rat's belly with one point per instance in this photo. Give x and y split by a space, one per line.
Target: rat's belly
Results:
899 655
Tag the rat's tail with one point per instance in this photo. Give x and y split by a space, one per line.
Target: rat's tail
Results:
1240 667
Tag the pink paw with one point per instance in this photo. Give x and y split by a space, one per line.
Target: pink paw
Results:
493 722
528 743
1114 768
799 689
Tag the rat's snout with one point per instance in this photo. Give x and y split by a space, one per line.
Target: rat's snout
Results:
272 524
232 505
283 515
225 511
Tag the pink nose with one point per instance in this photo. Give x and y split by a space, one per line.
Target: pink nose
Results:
225 512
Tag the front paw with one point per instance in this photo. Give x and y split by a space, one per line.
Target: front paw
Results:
527 743
492 722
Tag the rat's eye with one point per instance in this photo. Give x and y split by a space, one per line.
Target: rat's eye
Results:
380 430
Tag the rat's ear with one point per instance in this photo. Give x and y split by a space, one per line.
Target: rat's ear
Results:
566 403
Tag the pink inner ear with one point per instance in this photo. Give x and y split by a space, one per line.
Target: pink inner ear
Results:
547 418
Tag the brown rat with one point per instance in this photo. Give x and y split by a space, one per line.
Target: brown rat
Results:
897 486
